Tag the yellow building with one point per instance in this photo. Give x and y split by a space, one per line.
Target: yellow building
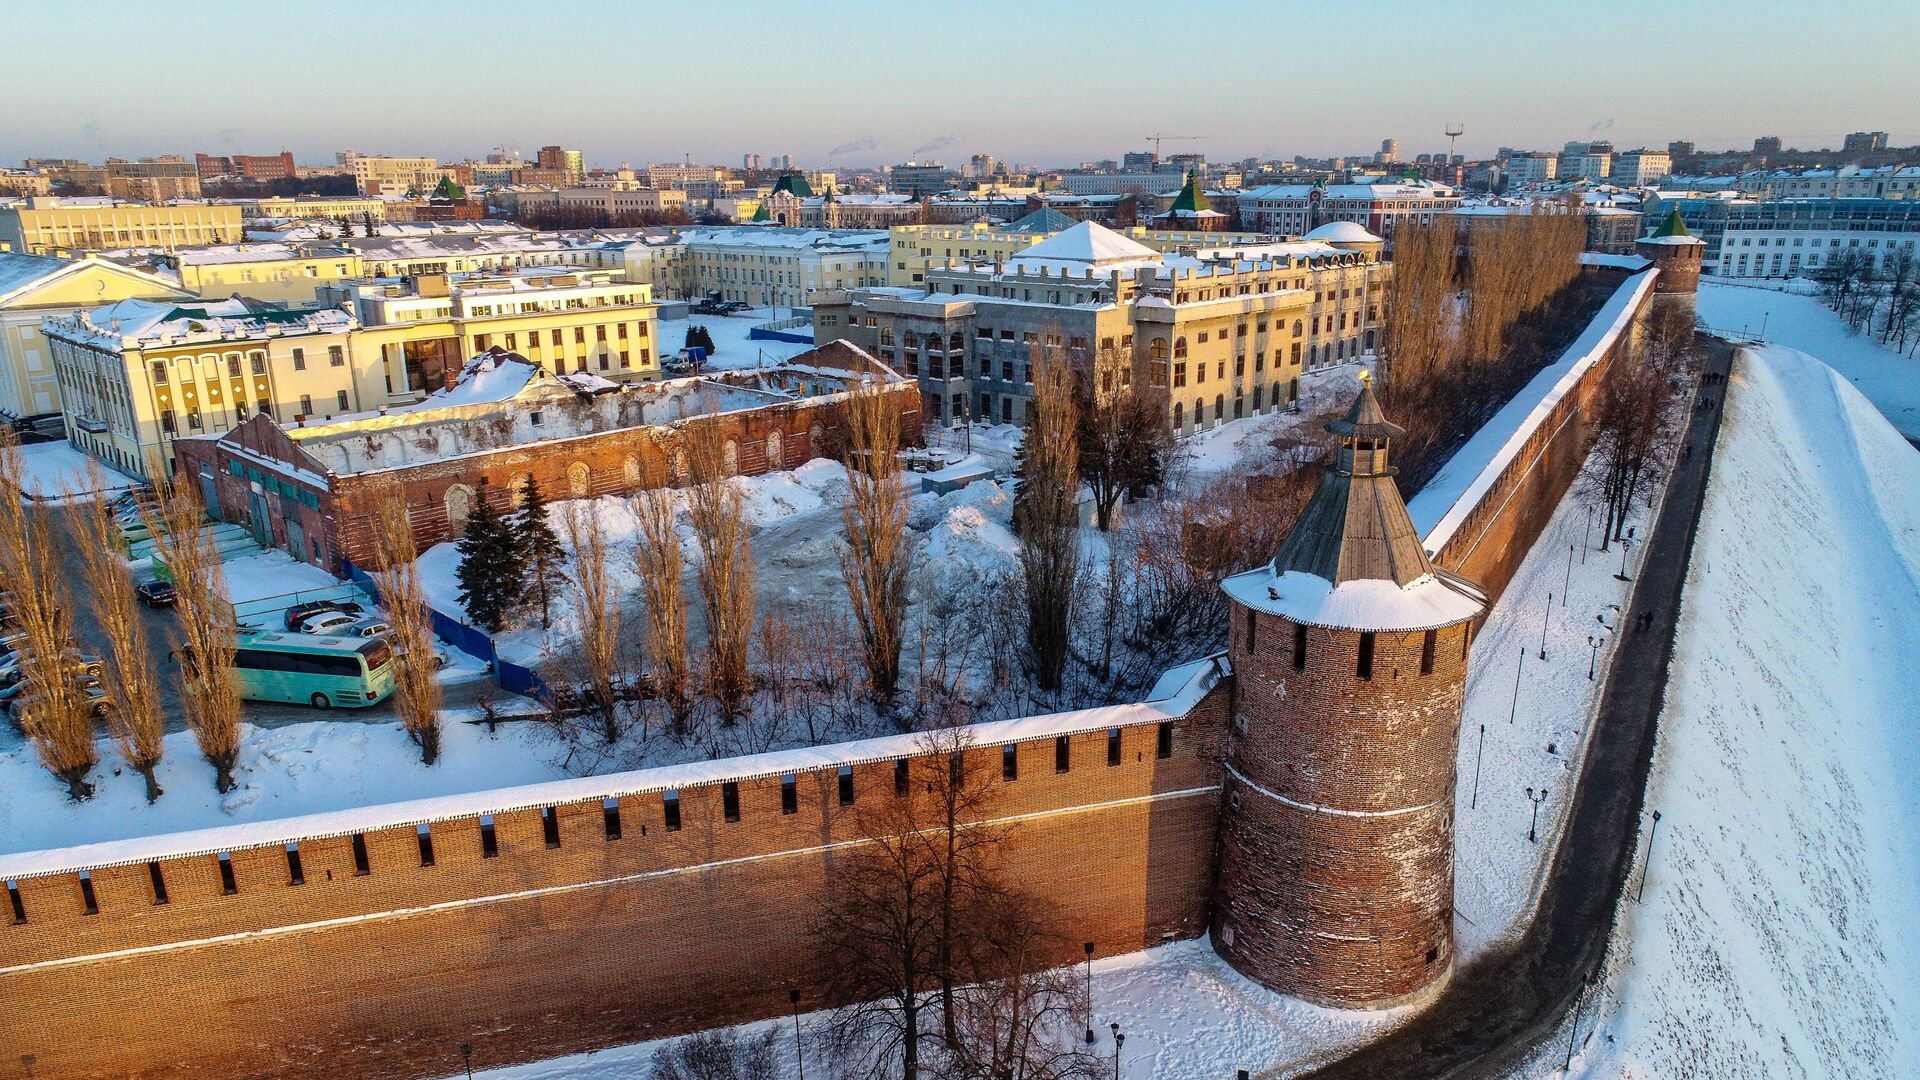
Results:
33 287
57 226
374 175
285 273
333 207
564 319
136 375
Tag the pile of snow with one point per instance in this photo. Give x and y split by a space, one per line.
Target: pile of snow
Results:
1890 380
54 470
1780 931
271 574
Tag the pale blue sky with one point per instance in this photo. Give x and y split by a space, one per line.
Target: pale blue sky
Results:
856 82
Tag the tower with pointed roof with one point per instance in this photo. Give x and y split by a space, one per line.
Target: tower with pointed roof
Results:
1349 653
1676 253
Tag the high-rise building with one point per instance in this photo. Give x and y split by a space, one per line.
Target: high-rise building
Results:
1766 145
1139 161
1680 148
751 163
1389 151
1864 142
919 178
571 162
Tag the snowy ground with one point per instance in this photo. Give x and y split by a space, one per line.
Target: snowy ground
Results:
1888 379
299 769
1778 933
52 470
1238 445
732 348
1184 1013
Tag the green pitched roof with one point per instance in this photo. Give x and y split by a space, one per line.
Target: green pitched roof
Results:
1673 226
1191 198
760 213
447 189
795 182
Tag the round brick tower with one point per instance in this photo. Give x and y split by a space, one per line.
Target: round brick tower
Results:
1677 254
1349 655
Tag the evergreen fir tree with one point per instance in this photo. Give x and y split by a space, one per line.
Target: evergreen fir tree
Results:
539 551
490 575
700 337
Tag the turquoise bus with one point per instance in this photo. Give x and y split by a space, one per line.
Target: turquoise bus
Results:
316 670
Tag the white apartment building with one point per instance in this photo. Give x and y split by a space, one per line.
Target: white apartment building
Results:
1885 182
375 175
1641 168
1593 165
1295 209
1532 168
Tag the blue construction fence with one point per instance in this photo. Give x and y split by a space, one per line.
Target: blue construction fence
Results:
511 677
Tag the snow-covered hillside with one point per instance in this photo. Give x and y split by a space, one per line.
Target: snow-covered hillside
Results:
1778 933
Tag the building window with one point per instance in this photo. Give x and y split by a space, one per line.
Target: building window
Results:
670 809
1364 666
336 356
158 882
233 367
360 864
167 422
1252 626
13 901
730 800
228 886
424 834
89 904
1299 647
1427 641
1163 740
610 817
1113 746
489 843
900 777
306 404
341 397
846 785
296 873
259 363
158 371
1010 762
789 794
1062 754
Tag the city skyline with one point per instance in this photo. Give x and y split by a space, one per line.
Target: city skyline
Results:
715 96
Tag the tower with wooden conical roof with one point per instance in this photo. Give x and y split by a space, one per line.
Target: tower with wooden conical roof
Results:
1349 653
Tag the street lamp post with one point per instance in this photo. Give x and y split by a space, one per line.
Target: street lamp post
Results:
799 1049
1119 1040
1545 617
1536 798
1589 540
1515 709
1593 658
1579 1000
466 1058
1651 833
1622 575
1477 756
1089 948
1566 592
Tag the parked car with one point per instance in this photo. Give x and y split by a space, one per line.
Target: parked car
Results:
78 662
96 699
327 622
155 592
298 613
367 628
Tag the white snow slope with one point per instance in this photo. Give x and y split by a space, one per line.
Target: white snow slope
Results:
1777 937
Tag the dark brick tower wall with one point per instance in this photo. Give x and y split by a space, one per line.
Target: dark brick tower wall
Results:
1336 870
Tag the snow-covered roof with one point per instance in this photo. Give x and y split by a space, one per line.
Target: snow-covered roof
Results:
147 323
1343 232
1090 242
1671 241
21 273
1180 691
1433 600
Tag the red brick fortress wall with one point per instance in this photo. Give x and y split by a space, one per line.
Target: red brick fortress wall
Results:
551 947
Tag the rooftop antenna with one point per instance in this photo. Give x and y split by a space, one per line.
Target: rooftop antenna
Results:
1454 131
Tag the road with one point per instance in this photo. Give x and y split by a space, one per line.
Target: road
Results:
1501 1006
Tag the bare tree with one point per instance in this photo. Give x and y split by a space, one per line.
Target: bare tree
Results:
52 708
1046 516
416 683
598 607
1017 1018
722 1054
1633 422
132 683
1124 440
718 513
878 557
208 691
659 558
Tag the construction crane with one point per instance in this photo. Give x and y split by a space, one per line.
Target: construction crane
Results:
1454 131
1156 140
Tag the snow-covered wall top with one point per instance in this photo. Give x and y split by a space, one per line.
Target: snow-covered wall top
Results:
1174 696
1472 473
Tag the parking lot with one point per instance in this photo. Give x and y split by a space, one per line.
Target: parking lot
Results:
163 636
